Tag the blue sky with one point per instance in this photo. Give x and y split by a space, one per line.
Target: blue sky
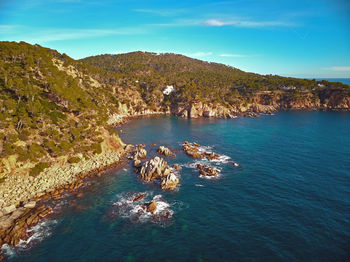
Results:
302 38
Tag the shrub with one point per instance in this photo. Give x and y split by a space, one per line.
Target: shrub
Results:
39 168
74 159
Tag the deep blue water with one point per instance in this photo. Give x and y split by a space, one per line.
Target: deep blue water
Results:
290 201
343 80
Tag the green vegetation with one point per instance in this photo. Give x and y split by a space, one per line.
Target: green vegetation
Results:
74 159
52 105
35 171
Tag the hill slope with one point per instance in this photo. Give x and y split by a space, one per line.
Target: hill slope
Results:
53 106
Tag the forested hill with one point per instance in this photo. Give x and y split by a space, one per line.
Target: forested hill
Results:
196 80
52 105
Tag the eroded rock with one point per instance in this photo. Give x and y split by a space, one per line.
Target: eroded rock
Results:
162 150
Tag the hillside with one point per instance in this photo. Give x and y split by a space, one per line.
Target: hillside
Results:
54 107
199 81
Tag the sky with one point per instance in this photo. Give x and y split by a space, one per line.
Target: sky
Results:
300 38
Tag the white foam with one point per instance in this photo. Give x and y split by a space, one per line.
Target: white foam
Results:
8 251
127 208
199 185
40 231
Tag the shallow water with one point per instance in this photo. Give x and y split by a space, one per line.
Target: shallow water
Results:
289 200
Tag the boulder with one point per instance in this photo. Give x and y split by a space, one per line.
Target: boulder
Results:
152 207
162 150
206 170
139 152
30 204
139 197
177 167
137 163
154 169
169 182
8 209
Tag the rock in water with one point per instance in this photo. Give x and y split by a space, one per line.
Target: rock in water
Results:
157 168
169 182
206 170
137 163
162 150
152 207
139 197
154 169
177 167
139 152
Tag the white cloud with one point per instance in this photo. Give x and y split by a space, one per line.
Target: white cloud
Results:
42 35
244 23
339 68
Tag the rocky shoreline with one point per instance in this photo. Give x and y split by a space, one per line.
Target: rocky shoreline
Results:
21 197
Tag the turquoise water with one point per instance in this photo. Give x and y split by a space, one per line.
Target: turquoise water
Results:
290 200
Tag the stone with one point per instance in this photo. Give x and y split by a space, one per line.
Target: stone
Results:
137 163
206 170
162 150
8 209
152 207
177 167
154 169
139 197
30 204
169 182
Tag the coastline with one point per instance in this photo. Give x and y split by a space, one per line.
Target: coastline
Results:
27 210
23 195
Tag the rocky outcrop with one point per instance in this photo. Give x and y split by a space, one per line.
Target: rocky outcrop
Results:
158 169
207 171
169 182
13 226
154 169
193 150
139 197
151 207
162 150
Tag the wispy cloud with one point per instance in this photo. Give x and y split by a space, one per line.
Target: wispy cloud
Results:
245 23
161 12
42 35
339 68
233 55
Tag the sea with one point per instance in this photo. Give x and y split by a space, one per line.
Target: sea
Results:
288 199
342 80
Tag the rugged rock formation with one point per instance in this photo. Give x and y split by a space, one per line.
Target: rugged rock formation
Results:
169 182
206 170
13 226
162 150
193 151
139 152
158 169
